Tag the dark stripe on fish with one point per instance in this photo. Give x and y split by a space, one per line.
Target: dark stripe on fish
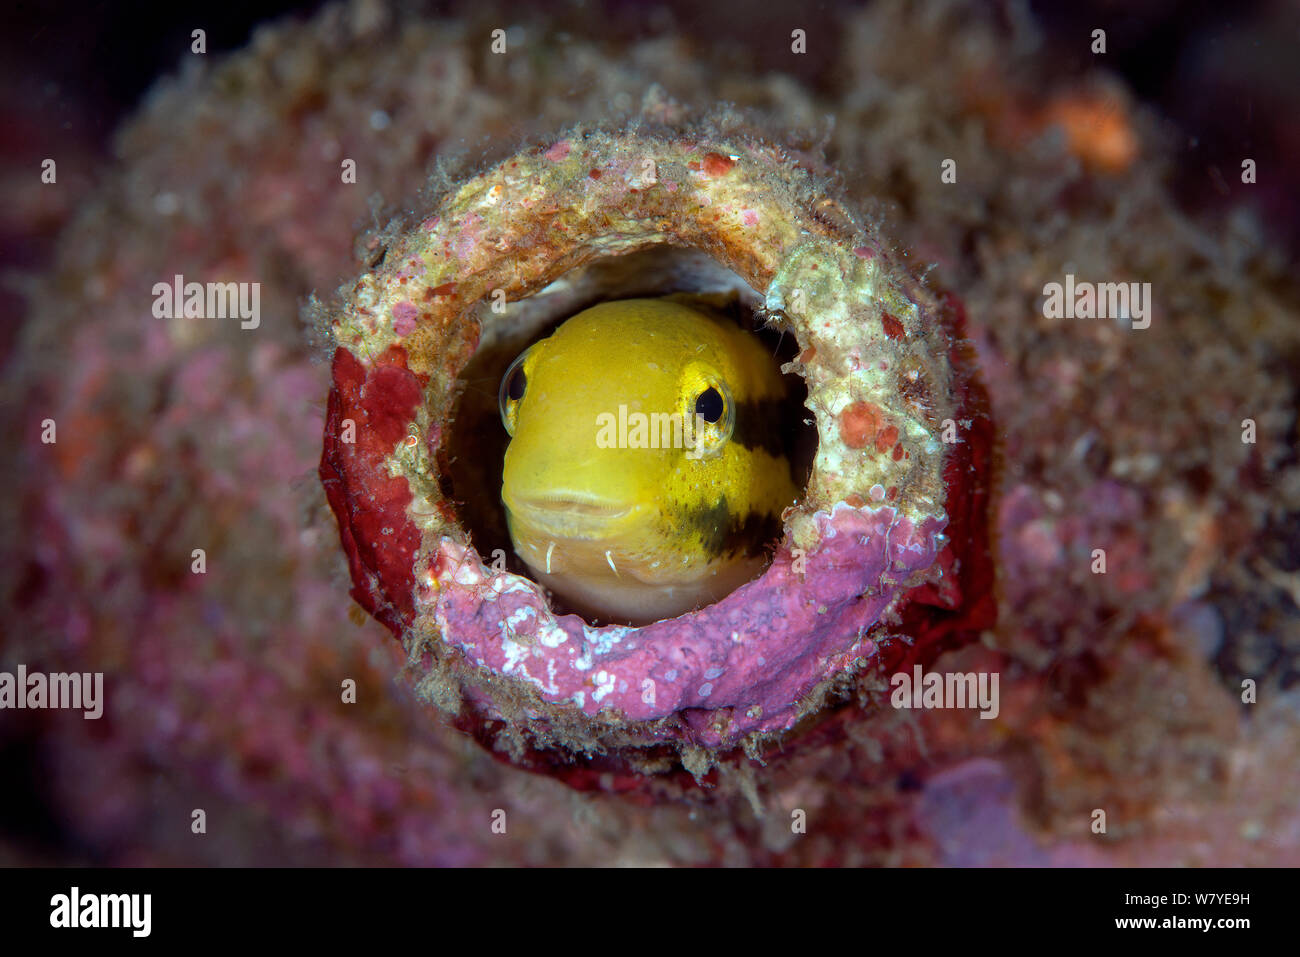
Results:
723 532
762 424
775 425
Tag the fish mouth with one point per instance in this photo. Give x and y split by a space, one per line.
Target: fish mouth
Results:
569 516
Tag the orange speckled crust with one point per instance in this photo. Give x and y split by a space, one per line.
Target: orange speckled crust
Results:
859 423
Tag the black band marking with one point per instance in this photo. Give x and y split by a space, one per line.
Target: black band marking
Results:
723 532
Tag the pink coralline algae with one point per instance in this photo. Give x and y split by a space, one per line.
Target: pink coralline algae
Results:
732 667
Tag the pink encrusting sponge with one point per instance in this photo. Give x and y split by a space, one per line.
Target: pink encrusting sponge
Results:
883 556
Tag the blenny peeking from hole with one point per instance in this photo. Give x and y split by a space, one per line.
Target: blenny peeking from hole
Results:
649 462
880 525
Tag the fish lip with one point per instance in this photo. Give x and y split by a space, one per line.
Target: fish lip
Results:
563 516
571 506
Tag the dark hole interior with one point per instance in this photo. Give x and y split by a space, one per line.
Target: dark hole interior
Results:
473 455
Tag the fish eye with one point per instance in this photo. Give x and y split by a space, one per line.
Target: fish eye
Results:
714 411
710 405
513 384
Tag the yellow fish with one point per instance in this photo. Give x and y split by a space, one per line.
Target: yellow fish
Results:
647 468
